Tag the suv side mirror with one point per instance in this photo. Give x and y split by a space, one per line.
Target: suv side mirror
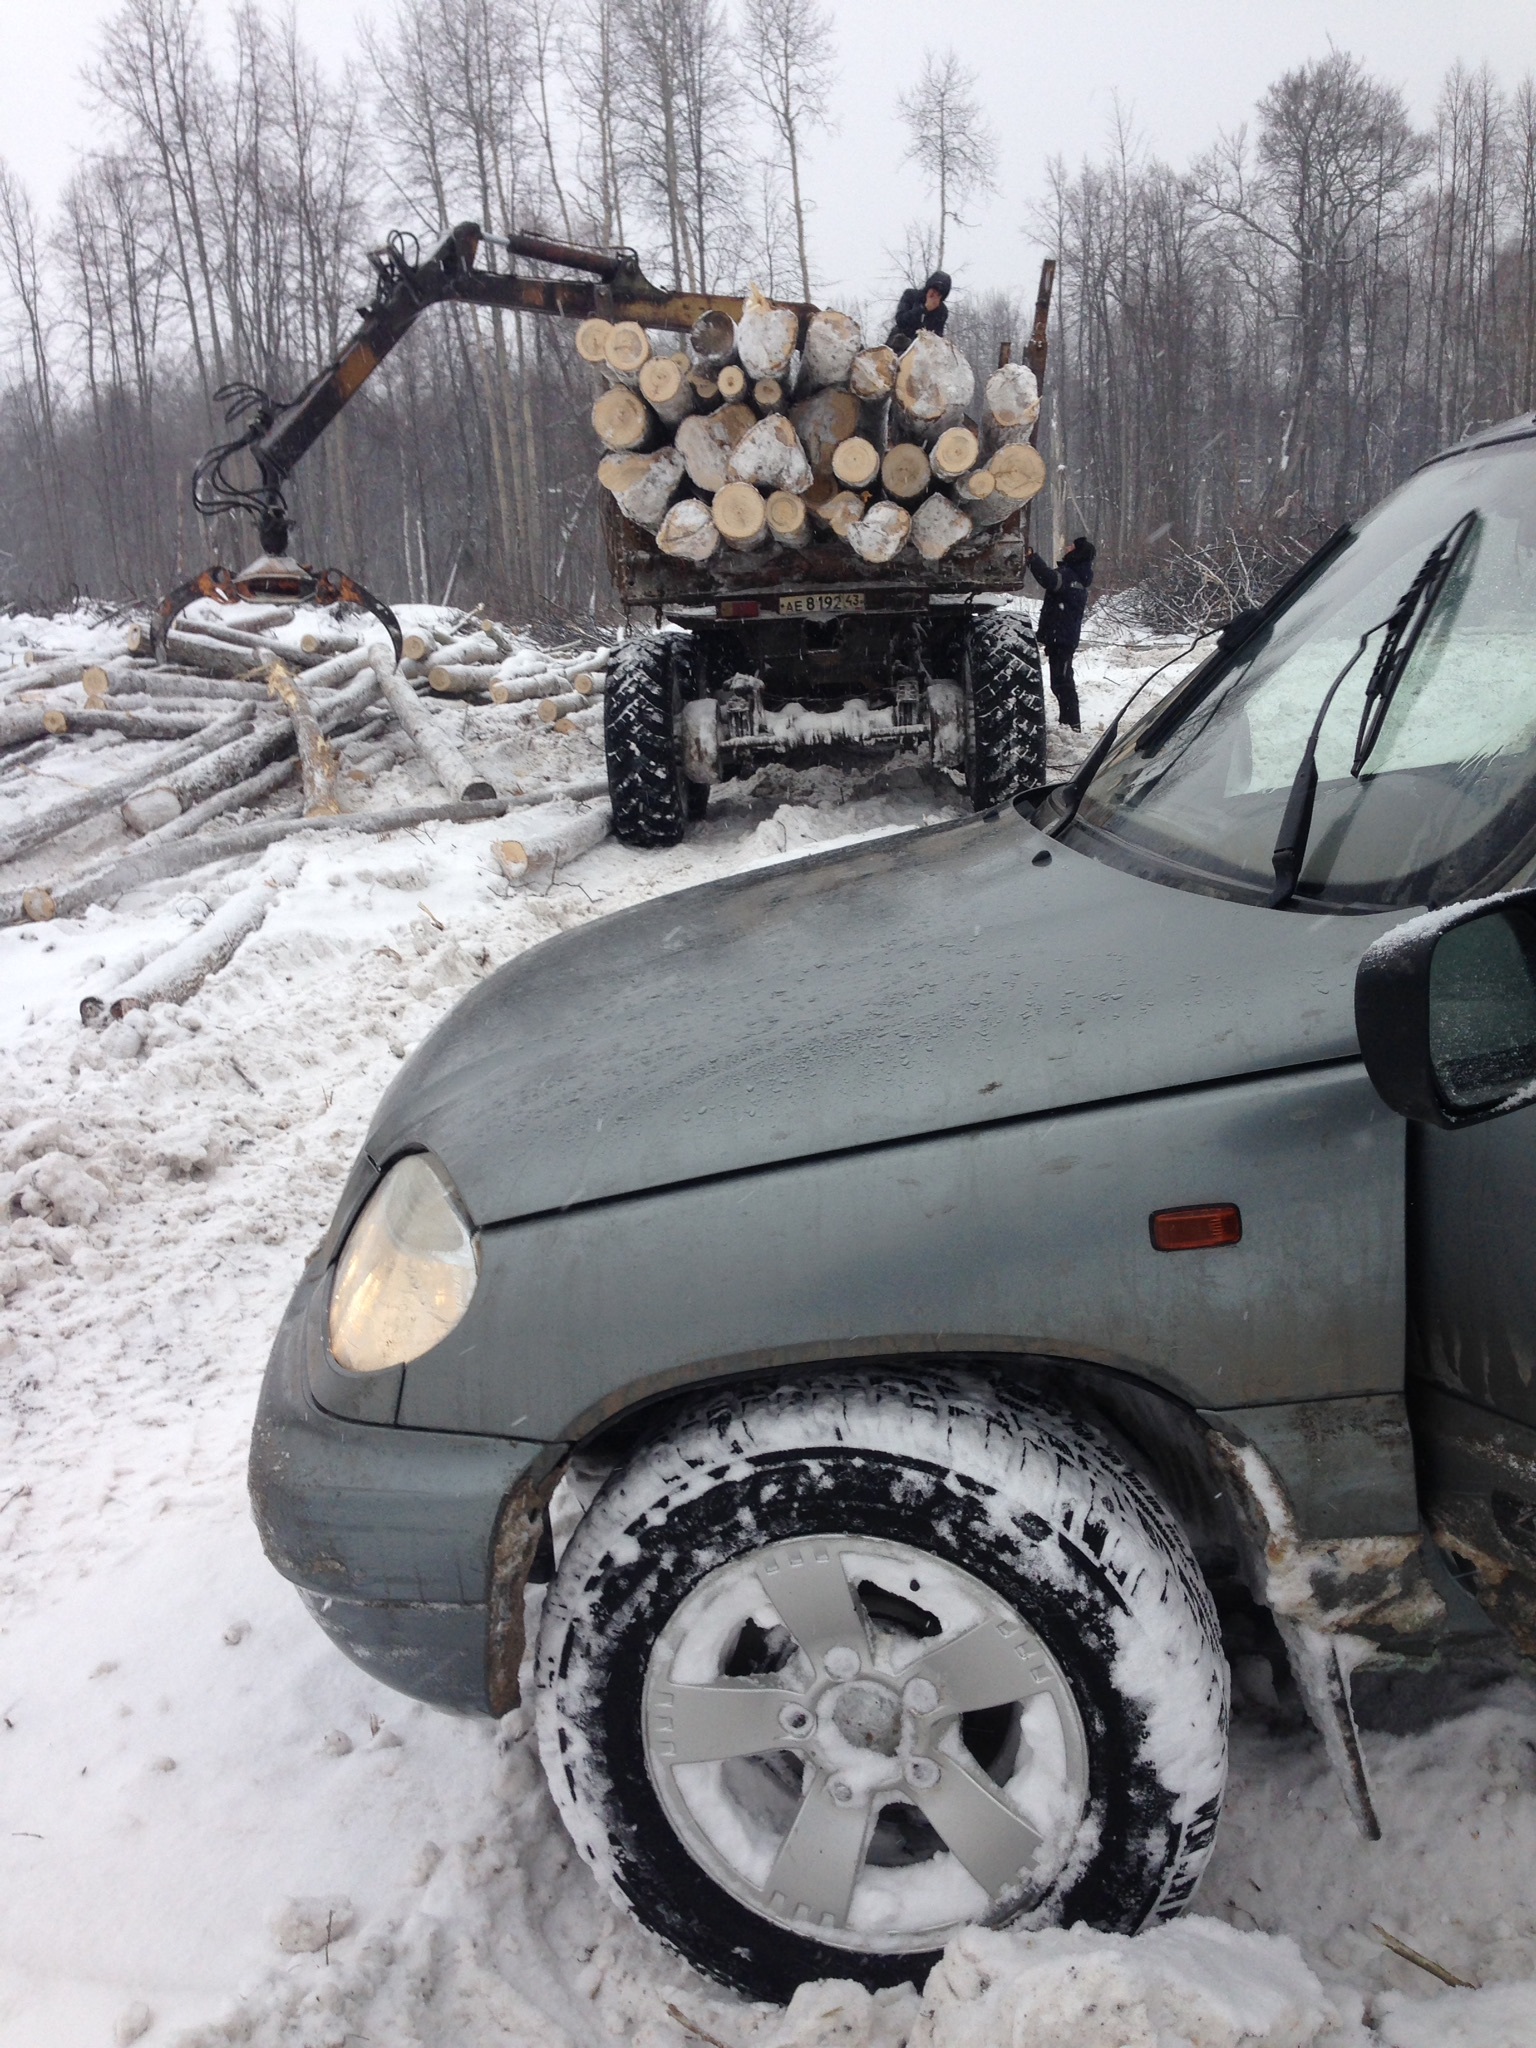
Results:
1445 1009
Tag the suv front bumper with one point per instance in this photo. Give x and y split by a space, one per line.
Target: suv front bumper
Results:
410 1547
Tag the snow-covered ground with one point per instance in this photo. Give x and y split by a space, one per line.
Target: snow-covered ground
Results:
213 1829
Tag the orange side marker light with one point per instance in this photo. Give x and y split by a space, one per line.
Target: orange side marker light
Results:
1200 1228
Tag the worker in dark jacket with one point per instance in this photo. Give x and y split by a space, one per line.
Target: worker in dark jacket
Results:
920 306
1061 619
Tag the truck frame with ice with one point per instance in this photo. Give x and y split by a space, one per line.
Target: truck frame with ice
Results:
970 1285
794 637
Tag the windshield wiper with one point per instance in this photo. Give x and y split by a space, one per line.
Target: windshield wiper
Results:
1404 626
1405 629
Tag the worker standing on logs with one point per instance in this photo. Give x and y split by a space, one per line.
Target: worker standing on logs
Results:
1061 619
920 307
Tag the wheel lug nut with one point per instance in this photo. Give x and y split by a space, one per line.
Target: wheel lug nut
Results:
922 1772
796 1720
841 1661
921 1695
841 1791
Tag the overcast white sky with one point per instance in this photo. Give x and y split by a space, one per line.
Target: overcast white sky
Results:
1049 75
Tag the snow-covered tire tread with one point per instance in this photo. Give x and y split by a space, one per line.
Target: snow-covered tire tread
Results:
1005 708
643 743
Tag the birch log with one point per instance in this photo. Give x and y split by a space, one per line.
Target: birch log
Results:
768 395
824 423
688 533
770 456
41 826
666 390
592 341
731 382
841 513
872 373
326 643
317 761
706 385
461 678
209 657
1019 472
741 516
550 840
934 385
705 441
954 454
467 647
453 772
181 972
881 534
127 678
788 520
161 862
627 349
1010 406
905 472
766 335
643 486
712 340
856 462
259 645
832 341
623 421
131 723
938 525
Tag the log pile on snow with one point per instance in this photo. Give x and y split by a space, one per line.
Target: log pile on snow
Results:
245 721
754 436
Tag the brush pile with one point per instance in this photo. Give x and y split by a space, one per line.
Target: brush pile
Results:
265 724
756 436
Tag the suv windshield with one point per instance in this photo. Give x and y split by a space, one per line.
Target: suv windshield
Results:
1445 804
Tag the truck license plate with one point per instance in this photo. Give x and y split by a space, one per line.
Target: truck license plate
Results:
811 602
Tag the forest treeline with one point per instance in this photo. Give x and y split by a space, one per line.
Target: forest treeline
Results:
1242 351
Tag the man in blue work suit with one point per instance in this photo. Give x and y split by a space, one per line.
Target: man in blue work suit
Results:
1061 619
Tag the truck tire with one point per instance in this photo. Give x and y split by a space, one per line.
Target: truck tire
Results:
1004 709
642 736
834 1668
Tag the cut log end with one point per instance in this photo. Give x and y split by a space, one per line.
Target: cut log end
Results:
905 472
37 906
732 382
592 341
788 520
768 395
622 421
627 348
955 453
856 462
1019 471
741 515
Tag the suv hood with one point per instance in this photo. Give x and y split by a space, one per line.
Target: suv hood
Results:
937 980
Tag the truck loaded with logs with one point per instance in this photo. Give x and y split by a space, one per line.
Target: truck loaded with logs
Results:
821 534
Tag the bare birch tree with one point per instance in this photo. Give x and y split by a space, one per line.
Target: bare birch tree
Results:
952 142
789 67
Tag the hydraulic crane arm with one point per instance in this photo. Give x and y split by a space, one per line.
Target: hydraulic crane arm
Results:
276 435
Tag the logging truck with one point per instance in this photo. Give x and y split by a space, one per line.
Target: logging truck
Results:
813 541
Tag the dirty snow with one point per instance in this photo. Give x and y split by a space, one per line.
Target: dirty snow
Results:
213 1829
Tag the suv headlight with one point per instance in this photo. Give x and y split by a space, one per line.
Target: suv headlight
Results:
407 1272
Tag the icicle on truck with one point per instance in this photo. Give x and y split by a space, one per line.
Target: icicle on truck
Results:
829 534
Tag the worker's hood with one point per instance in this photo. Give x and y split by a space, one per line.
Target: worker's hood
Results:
924 982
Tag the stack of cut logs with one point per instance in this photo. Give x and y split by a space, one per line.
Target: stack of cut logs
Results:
742 440
241 714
